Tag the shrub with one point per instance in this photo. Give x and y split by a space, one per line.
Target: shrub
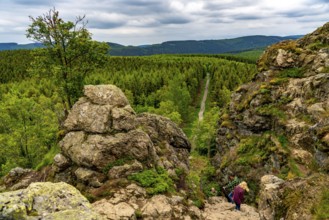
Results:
48 158
254 150
271 110
155 181
292 73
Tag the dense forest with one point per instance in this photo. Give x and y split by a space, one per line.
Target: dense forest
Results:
31 108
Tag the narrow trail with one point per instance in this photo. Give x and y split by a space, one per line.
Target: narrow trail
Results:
203 102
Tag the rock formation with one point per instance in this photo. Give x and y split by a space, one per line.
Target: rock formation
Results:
278 123
106 140
46 201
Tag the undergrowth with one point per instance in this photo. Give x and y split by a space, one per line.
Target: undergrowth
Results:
48 158
155 181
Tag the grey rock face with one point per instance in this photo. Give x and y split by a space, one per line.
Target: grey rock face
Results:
99 150
106 94
88 117
104 135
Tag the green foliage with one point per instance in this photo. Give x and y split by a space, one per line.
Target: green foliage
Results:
204 132
283 141
155 181
227 77
200 179
225 97
252 55
169 110
28 125
292 73
291 199
48 158
138 214
271 110
14 65
69 53
208 180
195 190
322 207
171 86
254 150
317 45
294 170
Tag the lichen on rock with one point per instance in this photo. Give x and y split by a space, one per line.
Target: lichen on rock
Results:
46 201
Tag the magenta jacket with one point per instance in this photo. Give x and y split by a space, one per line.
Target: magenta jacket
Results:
238 195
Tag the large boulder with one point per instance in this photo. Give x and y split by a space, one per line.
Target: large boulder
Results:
46 201
106 140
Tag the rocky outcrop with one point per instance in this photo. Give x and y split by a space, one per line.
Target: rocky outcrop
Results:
46 201
106 140
294 199
278 123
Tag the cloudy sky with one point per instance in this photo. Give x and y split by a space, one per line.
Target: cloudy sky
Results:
137 22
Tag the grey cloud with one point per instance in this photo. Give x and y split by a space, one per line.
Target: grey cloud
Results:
219 5
140 7
297 14
247 17
312 19
220 20
138 3
174 20
318 1
105 24
33 2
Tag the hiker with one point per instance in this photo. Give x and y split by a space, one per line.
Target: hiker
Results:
238 194
228 189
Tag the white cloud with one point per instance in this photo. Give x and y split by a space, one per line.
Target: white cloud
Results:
154 21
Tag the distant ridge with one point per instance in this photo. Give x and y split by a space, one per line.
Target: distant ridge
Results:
16 46
233 45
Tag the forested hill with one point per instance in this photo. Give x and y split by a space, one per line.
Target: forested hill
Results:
233 45
181 47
